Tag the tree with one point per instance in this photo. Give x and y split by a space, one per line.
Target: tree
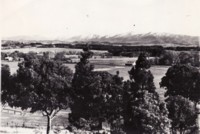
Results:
168 58
143 111
3 55
42 85
147 115
185 58
112 104
16 55
140 76
60 56
98 95
182 80
142 62
182 112
5 83
81 84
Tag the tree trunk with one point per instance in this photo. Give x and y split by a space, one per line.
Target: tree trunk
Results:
100 125
181 131
197 105
48 124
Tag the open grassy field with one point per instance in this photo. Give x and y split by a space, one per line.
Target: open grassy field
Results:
31 120
39 130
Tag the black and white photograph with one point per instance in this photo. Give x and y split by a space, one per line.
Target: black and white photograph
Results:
100 67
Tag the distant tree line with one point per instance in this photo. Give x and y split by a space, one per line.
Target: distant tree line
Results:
176 57
117 49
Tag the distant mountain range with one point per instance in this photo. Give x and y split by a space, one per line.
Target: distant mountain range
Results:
134 39
149 38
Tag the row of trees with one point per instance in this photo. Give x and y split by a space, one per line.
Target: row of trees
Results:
131 106
173 57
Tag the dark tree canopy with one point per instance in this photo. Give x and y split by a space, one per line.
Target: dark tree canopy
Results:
41 85
142 62
5 83
96 94
182 83
3 55
48 80
60 56
168 58
5 75
99 100
141 77
182 113
112 106
185 58
143 111
146 114
182 80
83 82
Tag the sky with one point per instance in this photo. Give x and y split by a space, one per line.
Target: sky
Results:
54 19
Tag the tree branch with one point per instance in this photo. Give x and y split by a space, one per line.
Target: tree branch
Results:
54 112
44 113
47 113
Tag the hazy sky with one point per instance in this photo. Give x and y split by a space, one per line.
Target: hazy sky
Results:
67 18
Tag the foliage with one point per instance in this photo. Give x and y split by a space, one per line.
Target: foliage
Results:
81 83
41 85
112 106
143 111
98 95
3 55
185 58
182 80
168 58
5 82
191 58
16 55
183 114
148 114
142 62
182 83
100 100
31 56
142 78
60 56
45 81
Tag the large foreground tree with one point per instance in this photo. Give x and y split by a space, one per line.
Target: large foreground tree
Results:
41 85
182 80
182 83
182 113
97 96
143 112
5 83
